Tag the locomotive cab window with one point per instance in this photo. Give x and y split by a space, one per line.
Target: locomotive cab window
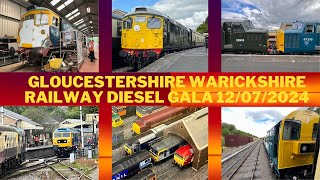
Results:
127 23
57 135
140 19
55 21
66 134
42 19
310 29
237 28
291 130
318 28
314 131
154 23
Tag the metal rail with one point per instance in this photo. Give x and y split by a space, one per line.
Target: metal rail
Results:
226 172
23 170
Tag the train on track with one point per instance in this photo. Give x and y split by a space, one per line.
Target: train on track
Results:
65 141
12 148
148 34
131 165
116 120
292 38
183 156
290 144
39 34
167 114
145 140
166 148
142 111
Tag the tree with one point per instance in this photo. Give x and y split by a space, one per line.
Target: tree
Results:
203 28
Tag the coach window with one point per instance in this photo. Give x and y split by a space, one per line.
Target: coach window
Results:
154 23
127 23
310 29
291 130
314 131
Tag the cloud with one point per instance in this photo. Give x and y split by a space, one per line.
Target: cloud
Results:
255 120
271 13
190 13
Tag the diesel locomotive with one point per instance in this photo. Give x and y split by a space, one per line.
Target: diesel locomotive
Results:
147 34
39 34
12 148
298 37
65 141
290 144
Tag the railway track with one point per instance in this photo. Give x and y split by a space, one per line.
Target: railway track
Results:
29 166
242 164
70 173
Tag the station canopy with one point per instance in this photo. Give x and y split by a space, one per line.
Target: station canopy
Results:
81 14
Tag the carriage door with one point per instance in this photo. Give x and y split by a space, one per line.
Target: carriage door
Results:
166 34
318 37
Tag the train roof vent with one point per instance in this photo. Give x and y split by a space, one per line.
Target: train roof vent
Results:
141 9
62 129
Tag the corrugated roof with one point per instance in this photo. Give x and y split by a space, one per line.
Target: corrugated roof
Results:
19 117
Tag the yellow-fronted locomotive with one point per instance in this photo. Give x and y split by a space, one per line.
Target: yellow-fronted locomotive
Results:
39 34
290 144
12 148
147 34
65 141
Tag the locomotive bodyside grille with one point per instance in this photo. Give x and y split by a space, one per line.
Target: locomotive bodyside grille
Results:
292 41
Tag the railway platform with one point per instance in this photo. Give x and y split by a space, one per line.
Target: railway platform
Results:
39 151
247 162
270 63
191 60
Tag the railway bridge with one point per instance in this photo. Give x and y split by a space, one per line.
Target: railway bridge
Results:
194 129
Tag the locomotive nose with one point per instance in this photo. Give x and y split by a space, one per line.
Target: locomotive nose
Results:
136 128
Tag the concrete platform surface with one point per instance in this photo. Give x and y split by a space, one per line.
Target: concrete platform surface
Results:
191 60
270 63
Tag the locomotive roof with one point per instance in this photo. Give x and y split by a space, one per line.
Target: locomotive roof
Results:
117 16
168 111
185 150
144 10
250 30
66 130
129 161
168 142
9 128
301 115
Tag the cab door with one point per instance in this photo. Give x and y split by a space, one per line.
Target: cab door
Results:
166 34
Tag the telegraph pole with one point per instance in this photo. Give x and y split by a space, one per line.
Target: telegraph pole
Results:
82 143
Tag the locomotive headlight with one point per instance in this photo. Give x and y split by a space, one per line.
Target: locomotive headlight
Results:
43 32
304 148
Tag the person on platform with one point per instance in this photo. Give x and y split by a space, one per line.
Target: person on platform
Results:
91 50
36 140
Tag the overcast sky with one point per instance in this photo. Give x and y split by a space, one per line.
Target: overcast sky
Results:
190 13
255 120
270 13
